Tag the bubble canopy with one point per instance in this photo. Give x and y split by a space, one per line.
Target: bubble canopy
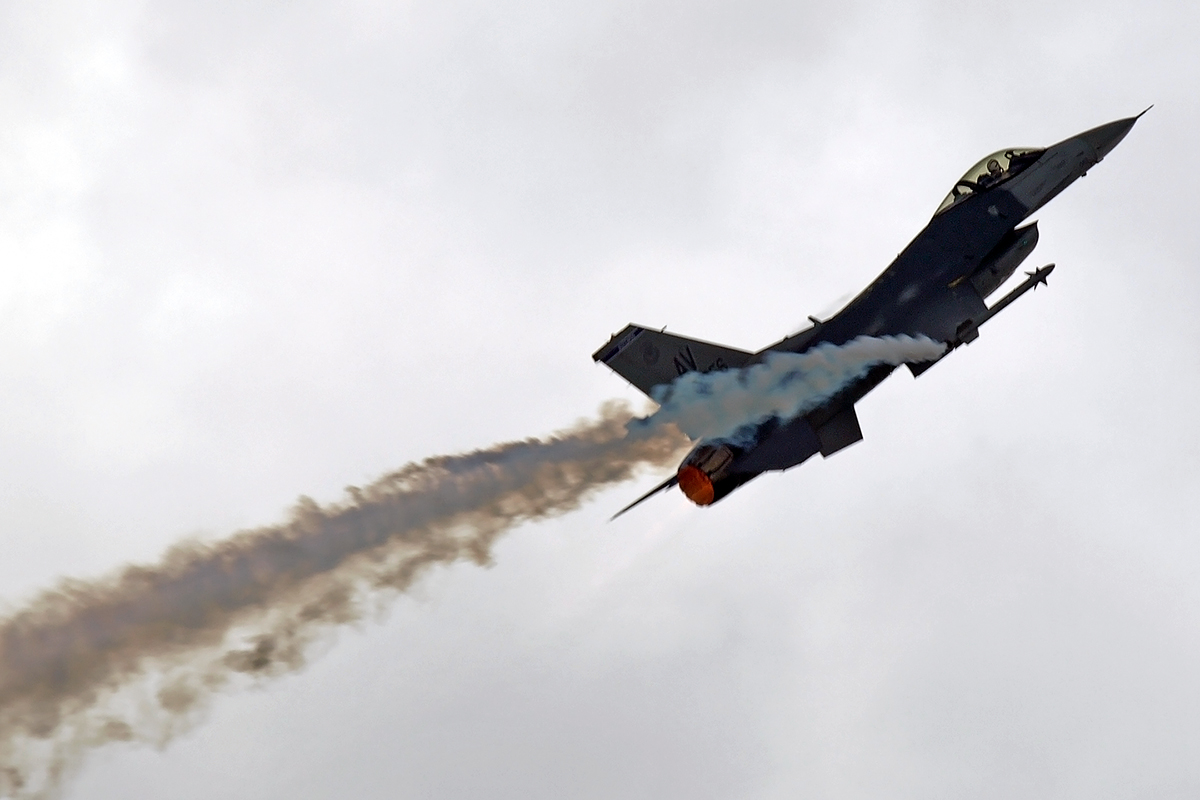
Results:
985 174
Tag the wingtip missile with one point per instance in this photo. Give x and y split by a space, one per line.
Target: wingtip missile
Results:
969 329
1040 275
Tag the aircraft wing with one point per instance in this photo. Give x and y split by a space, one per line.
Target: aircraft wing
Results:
647 358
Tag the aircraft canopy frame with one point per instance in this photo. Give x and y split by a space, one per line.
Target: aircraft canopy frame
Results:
1011 161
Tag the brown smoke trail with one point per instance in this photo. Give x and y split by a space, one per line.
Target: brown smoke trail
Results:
137 655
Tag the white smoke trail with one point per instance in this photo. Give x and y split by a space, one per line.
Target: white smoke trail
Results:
717 405
138 655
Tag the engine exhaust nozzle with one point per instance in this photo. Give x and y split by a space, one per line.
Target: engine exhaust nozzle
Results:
701 472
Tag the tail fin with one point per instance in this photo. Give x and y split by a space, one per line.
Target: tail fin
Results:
649 358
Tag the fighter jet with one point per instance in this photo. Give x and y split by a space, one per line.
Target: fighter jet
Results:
937 287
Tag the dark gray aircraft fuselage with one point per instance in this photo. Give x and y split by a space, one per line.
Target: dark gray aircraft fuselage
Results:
936 288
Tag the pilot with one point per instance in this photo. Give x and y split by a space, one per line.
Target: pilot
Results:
994 173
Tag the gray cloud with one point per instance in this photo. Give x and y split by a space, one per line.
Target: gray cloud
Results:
244 250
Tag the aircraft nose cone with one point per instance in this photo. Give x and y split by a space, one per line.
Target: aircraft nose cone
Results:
1104 138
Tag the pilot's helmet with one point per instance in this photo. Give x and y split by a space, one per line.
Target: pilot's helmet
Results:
993 166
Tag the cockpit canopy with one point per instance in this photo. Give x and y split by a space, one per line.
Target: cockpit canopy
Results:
985 174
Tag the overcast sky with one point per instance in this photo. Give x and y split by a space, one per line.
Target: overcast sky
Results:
254 251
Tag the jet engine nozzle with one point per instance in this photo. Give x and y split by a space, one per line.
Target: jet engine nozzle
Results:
696 485
701 472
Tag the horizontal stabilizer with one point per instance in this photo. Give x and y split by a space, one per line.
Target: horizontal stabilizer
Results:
648 358
667 484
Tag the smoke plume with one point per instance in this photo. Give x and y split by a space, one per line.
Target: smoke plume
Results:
138 655
716 405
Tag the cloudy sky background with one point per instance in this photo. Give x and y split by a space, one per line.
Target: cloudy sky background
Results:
252 253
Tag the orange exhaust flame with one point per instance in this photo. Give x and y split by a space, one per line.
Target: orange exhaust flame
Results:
696 484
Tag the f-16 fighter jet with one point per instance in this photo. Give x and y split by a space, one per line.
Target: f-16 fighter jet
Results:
935 288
